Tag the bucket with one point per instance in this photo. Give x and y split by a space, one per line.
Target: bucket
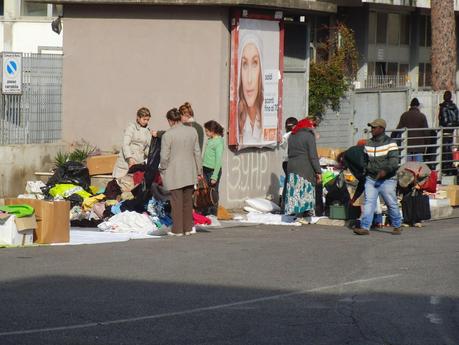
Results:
456 155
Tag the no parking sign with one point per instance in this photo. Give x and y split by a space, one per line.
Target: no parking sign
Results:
12 73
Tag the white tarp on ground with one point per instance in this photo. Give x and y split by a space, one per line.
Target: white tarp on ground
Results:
93 237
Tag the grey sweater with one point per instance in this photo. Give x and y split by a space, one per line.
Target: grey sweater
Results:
302 155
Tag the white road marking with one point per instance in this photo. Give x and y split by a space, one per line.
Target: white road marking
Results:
195 310
434 300
434 318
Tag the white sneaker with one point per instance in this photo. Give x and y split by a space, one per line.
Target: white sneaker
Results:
170 233
418 225
193 230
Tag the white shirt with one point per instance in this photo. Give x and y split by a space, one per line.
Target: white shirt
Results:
284 146
250 136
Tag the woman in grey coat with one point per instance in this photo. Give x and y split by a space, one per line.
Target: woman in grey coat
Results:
303 169
180 166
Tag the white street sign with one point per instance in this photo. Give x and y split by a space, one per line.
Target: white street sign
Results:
12 73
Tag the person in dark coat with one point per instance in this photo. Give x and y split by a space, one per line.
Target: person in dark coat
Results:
413 118
448 117
303 169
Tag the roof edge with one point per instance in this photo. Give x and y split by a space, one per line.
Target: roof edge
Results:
307 5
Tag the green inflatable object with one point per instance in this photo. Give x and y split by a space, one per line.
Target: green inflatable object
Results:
327 177
18 210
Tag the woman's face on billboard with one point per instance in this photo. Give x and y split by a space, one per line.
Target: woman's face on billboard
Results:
250 73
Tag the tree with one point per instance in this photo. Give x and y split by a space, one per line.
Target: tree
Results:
443 45
332 76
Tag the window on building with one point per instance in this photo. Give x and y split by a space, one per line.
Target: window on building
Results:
371 68
403 69
389 28
56 10
381 28
404 29
425 32
392 68
33 9
40 10
388 68
372 28
1 7
380 68
393 29
425 75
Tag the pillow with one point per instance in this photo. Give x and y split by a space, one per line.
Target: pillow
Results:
262 205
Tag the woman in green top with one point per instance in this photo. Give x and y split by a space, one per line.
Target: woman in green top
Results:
212 161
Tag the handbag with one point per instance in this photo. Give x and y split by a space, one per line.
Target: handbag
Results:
204 195
431 184
415 207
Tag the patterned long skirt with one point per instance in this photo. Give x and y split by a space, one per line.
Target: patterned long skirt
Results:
301 195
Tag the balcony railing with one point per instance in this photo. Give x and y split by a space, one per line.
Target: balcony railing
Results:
383 82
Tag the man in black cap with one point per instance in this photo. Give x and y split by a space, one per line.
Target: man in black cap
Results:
381 153
413 118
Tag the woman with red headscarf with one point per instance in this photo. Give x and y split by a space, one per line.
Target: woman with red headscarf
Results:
303 169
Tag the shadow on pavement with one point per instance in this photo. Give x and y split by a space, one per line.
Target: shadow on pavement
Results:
110 311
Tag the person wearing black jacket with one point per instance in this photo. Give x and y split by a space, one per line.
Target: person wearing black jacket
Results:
382 160
448 117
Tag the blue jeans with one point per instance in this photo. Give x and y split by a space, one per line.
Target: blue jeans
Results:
385 188
415 157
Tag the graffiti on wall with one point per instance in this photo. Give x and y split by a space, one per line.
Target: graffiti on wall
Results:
246 175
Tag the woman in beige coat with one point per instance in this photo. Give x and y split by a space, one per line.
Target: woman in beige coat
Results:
180 166
136 143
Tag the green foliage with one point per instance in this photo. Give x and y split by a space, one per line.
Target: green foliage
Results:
79 154
331 77
61 158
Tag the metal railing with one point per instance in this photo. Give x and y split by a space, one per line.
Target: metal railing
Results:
385 82
34 117
437 147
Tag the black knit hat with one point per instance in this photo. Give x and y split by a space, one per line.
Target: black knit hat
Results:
414 102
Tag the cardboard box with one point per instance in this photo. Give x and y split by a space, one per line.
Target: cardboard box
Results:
26 223
53 219
10 235
100 165
329 152
452 193
324 152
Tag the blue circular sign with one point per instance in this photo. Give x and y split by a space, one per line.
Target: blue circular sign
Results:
11 67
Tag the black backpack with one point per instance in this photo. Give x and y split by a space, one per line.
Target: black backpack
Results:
449 115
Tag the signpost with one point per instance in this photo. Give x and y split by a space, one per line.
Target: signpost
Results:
12 74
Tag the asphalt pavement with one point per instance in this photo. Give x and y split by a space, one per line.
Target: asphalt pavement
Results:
243 285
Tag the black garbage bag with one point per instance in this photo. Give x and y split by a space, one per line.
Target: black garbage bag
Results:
70 172
151 169
142 195
75 200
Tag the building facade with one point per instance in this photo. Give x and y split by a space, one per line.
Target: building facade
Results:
122 55
26 27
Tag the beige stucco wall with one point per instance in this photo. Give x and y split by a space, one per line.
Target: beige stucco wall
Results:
19 162
117 59
122 58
